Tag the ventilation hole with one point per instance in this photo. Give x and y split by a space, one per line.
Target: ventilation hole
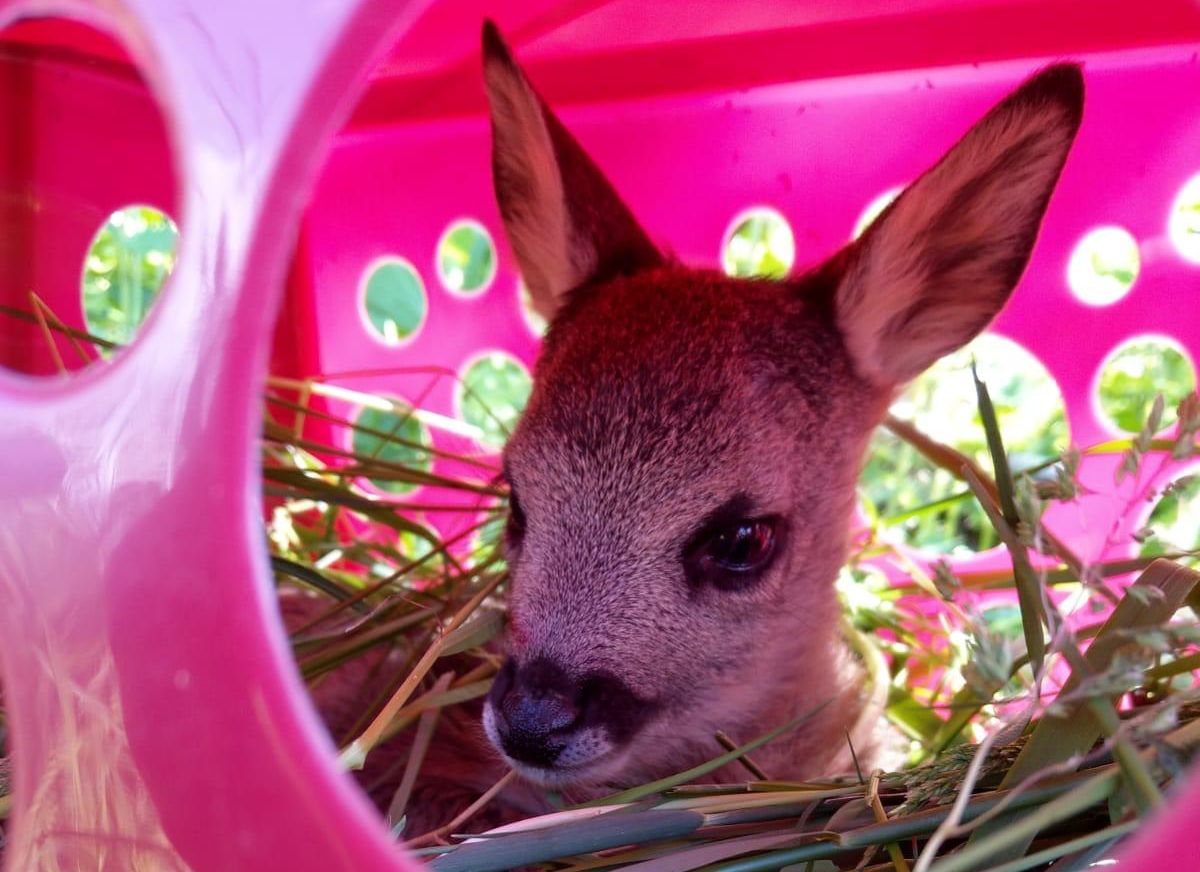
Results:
130 258
492 394
416 554
396 437
1004 620
874 210
1184 224
533 319
1103 266
466 258
927 507
1174 523
412 548
70 266
392 301
1135 373
759 245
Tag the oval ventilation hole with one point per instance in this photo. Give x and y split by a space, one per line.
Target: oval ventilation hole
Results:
929 508
759 244
1104 265
392 301
491 395
466 258
397 438
1173 525
1135 373
416 554
1183 226
487 542
874 210
127 263
72 264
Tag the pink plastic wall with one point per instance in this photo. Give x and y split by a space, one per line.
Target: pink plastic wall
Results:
149 663
690 165
144 741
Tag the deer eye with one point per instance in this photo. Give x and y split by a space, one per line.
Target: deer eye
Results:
742 547
732 554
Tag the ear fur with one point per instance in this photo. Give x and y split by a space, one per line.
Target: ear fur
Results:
941 261
565 222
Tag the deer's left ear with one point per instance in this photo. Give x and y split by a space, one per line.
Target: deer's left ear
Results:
938 265
565 222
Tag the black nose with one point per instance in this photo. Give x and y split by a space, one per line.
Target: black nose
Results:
536 706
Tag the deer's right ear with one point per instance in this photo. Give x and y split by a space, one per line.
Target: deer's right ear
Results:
565 222
941 261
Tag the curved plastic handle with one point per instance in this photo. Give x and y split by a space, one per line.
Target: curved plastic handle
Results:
156 720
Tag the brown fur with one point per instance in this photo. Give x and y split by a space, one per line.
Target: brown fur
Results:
658 401
664 392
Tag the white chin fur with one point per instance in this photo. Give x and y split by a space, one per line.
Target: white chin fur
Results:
589 758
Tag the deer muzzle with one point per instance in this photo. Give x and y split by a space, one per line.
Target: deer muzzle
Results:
556 728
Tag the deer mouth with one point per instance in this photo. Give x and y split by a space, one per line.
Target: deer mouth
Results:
557 730
572 758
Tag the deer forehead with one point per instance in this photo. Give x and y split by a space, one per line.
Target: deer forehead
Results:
679 385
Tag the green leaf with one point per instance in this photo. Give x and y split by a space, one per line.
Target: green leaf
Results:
1056 739
1029 590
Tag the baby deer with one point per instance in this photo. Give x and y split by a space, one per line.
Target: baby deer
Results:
683 478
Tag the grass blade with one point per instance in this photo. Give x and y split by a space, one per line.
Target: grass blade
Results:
1029 593
416 756
979 853
315 580
609 830
1056 739
703 855
644 790
896 829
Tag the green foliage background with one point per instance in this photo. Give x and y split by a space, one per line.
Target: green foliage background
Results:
126 266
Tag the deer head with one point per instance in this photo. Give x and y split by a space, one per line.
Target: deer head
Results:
683 478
